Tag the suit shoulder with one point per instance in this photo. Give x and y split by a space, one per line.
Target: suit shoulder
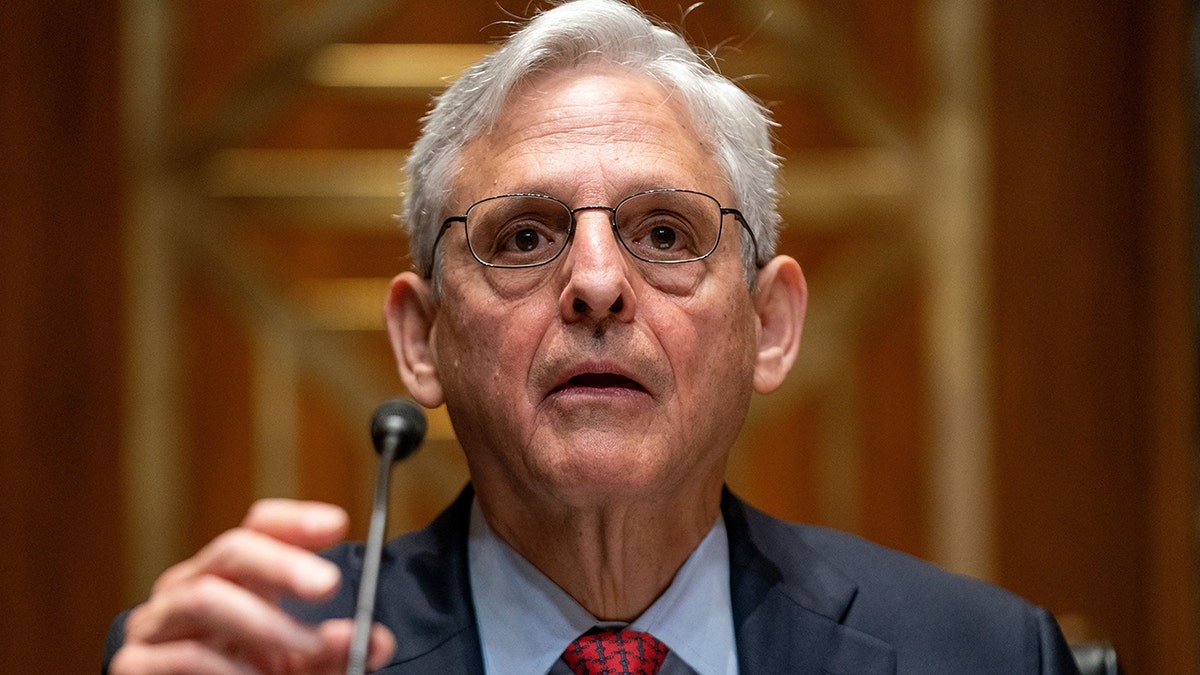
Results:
936 620
893 575
901 577
887 578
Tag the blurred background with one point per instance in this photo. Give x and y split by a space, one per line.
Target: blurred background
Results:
993 203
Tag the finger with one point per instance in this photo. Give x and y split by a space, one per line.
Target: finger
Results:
337 635
176 657
259 562
307 524
224 616
380 646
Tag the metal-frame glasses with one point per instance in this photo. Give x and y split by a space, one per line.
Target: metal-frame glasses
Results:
664 226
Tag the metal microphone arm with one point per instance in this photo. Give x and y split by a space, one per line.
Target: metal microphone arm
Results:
397 428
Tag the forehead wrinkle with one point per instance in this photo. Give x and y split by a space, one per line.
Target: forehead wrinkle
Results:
586 136
588 93
581 159
585 126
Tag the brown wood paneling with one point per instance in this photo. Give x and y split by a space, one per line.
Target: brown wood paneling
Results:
60 334
1076 263
331 458
217 415
779 457
1067 269
895 490
1095 363
217 46
1169 114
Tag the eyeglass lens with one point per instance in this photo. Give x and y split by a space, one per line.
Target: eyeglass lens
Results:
527 230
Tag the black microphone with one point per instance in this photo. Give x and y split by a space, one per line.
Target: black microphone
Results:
401 422
397 428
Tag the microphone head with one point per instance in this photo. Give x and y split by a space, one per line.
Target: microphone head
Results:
403 419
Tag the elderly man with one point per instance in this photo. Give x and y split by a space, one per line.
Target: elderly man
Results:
592 216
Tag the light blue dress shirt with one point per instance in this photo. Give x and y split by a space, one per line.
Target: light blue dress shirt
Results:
526 621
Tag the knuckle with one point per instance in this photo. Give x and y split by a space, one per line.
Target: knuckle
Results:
173 576
228 544
201 599
233 554
136 623
183 656
125 661
260 509
267 510
205 591
218 556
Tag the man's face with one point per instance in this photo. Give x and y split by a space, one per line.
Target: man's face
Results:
597 376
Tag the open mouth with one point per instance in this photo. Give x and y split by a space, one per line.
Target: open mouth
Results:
600 381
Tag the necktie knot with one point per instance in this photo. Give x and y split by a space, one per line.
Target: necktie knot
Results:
623 652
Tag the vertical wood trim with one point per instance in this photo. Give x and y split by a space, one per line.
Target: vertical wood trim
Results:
1170 209
954 224
60 330
1094 341
276 400
151 451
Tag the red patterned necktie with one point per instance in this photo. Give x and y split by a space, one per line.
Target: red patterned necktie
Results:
623 652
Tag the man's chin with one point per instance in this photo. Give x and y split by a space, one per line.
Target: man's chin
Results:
585 495
601 464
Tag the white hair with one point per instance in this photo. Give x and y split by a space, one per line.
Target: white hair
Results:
575 33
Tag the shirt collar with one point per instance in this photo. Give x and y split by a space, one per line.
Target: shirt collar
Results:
525 621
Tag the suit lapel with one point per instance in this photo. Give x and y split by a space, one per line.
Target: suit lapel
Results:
426 598
788 604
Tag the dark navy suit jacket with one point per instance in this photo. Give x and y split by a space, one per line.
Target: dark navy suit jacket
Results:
805 600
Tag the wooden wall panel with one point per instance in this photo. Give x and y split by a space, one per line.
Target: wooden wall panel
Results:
218 412
335 459
895 415
1094 361
1082 422
60 335
1169 117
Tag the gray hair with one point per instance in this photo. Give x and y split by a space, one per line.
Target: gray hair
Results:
579 32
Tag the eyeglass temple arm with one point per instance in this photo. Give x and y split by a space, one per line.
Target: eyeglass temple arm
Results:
726 211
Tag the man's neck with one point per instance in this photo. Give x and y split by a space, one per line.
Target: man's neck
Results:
614 558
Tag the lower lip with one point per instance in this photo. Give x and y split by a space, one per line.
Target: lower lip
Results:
570 392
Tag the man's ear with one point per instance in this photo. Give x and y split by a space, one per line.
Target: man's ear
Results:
410 314
780 300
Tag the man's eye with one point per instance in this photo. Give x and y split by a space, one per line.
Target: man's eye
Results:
526 240
662 237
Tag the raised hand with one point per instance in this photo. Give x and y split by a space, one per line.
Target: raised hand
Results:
218 611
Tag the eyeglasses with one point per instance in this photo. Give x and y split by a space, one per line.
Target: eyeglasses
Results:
658 226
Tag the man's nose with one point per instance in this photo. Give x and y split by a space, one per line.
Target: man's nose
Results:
597 271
